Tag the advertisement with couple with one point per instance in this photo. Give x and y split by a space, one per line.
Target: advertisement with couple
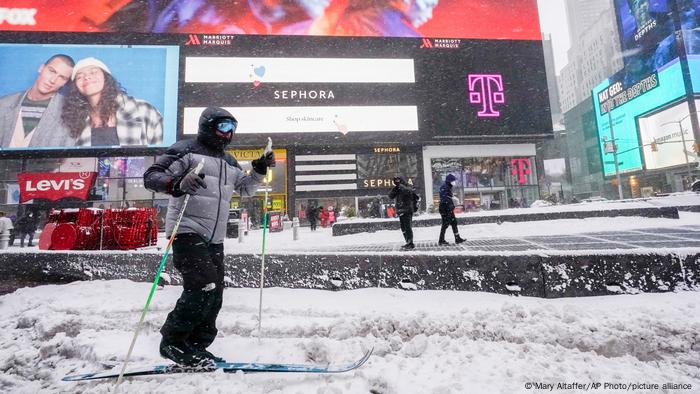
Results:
80 96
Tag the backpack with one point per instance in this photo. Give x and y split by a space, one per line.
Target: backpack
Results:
415 199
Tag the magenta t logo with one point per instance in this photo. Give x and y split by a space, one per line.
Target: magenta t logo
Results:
487 90
520 167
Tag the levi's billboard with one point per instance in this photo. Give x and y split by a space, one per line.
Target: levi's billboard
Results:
55 186
487 19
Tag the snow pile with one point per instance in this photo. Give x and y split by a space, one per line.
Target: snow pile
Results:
425 342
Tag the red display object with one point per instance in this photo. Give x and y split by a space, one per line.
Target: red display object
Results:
92 229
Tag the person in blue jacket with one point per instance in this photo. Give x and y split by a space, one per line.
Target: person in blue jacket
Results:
447 206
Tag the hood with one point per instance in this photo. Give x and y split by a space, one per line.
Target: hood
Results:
207 134
450 178
399 180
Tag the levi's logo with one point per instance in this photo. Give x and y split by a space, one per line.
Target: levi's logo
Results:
58 185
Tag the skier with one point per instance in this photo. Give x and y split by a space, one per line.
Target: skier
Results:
405 206
198 251
447 206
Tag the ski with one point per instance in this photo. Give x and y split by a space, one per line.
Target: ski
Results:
226 367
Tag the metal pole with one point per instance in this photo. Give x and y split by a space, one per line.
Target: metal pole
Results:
685 152
617 165
262 261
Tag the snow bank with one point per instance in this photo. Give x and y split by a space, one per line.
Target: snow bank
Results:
425 342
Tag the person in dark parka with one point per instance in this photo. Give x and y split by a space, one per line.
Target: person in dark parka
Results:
198 250
405 207
447 206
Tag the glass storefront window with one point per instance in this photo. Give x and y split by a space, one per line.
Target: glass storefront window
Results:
488 182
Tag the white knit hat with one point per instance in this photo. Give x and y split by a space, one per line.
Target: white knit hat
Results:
87 62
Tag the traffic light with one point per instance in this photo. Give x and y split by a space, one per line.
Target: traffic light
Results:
654 147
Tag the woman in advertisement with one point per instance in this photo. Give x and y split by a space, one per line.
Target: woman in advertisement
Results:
98 111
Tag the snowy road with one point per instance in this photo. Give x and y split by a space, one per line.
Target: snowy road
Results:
425 342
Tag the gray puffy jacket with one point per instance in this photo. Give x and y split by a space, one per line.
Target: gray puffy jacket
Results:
207 211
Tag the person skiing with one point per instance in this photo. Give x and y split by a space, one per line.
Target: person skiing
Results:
198 251
405 207
447 206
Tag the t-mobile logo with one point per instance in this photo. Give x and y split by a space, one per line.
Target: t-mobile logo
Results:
521 168
487 90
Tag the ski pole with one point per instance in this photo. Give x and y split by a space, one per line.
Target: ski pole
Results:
155 281
262 262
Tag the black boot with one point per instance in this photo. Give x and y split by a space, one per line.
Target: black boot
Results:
442 242
458 239
208 354
408 246
183 354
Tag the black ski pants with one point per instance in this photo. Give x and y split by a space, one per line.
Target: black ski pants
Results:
405 220
448 219
202 268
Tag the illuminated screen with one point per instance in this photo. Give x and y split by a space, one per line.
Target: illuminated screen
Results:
646 36
482 19
672 132
337 90
624 103
694 66
44 108
690 24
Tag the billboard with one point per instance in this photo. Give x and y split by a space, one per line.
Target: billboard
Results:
623 103
671 132
487 19
689 11
336 90
73 96
296 89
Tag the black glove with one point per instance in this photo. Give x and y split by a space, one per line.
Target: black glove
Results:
260 164
190 184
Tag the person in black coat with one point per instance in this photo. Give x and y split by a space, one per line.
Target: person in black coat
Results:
26 226
311 216
447 206
405 206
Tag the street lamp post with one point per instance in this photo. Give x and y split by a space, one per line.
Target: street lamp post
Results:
685 147
614 152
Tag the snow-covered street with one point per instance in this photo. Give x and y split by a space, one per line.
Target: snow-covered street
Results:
424 342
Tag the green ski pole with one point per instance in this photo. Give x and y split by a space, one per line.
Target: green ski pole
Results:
155 281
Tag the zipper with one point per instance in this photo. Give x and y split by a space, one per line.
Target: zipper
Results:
218 205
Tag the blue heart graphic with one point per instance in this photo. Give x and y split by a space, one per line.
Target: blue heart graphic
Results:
259 71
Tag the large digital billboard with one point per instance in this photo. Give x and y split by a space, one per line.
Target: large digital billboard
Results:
646 36
689 11
666 135
63 95
335 90
625 103
299 90
479 19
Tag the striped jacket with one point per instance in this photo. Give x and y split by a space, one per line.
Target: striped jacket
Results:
138 123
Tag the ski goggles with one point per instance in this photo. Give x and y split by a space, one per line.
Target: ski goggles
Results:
225 125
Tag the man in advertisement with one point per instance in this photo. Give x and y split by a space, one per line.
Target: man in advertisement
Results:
33 118
198 250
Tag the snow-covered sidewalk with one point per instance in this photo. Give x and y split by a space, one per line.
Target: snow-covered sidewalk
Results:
425 342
